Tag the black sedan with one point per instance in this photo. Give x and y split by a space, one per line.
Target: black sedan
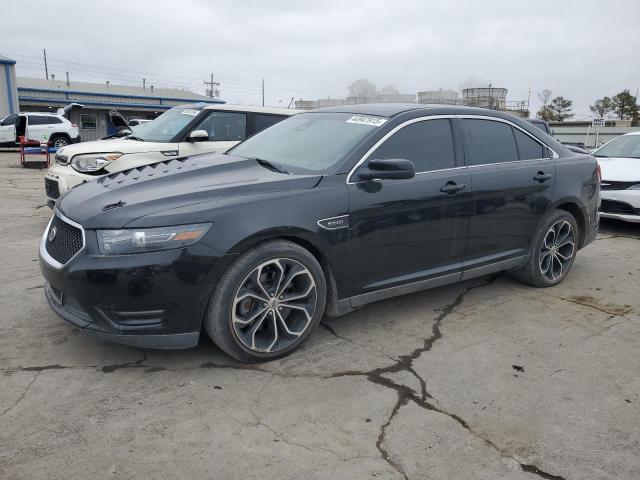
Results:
318 215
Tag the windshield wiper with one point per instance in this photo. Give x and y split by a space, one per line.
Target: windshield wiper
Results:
271 166
133 137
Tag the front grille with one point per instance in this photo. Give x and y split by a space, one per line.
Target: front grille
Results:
66 242
613 206
607 185
51 186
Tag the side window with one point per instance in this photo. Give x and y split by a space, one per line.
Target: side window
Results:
488 142
528 148
10 120
88 122
264 121
428 144
224 126
53 120
37 120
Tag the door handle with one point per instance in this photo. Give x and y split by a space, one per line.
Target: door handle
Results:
451 188
542 177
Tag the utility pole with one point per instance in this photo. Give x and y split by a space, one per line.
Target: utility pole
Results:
46 69
263 92
144 83
211 84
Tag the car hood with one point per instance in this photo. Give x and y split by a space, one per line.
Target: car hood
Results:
178 191
620 169
120 145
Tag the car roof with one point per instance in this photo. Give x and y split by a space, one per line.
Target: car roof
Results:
393 109
252 108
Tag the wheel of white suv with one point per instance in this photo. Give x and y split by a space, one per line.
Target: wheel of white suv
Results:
554 249
59 141
267 303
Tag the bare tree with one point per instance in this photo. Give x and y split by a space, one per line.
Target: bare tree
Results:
544 96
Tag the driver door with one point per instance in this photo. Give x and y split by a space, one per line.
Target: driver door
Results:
412 231
224 130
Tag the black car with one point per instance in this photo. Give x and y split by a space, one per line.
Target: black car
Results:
320 214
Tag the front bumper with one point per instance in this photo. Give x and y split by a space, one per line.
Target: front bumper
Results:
60 179
621 205
148 300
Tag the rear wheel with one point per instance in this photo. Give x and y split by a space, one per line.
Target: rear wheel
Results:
59 141
267 303
555 245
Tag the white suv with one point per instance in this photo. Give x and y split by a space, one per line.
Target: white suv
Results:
181 131
51 127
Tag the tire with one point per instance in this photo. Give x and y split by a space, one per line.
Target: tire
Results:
59 141
250 326
552 253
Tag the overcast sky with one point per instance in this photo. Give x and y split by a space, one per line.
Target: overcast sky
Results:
581 50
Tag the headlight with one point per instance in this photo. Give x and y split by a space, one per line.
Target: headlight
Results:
93 162
133 240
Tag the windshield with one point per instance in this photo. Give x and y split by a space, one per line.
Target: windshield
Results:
309 142
167 125
627 146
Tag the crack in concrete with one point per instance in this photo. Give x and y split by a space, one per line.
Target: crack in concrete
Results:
21 397
332 331
406 394
616 311
118 366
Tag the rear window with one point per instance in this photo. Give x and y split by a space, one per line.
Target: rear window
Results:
528 148
264 121
488 142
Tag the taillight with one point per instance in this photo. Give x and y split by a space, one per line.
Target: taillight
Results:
74 125
598 172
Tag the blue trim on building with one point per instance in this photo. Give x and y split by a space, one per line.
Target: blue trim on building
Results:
106 104
7 75
7 61
112 95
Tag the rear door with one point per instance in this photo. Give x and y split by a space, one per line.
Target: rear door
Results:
38 127
405 232
513 178
225 130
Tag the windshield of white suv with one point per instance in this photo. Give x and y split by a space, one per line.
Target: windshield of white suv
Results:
626 146
309 142
167 125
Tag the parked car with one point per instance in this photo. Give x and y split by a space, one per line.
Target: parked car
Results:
323 212
541 124
184 130
620 161
52 127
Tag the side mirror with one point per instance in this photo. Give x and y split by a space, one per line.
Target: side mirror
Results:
388 169
199 136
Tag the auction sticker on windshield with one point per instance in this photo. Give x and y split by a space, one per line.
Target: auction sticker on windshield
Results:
367 120
190 111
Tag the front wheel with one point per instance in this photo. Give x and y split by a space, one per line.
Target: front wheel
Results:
554 249
59 141
267 303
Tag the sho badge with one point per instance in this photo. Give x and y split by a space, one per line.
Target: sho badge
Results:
334 223
53 231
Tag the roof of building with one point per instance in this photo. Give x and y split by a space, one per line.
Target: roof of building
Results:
7 60
40 84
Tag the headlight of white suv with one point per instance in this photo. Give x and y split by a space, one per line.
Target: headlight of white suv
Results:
134 240
93 162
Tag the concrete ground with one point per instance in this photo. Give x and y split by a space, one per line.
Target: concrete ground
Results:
489 379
